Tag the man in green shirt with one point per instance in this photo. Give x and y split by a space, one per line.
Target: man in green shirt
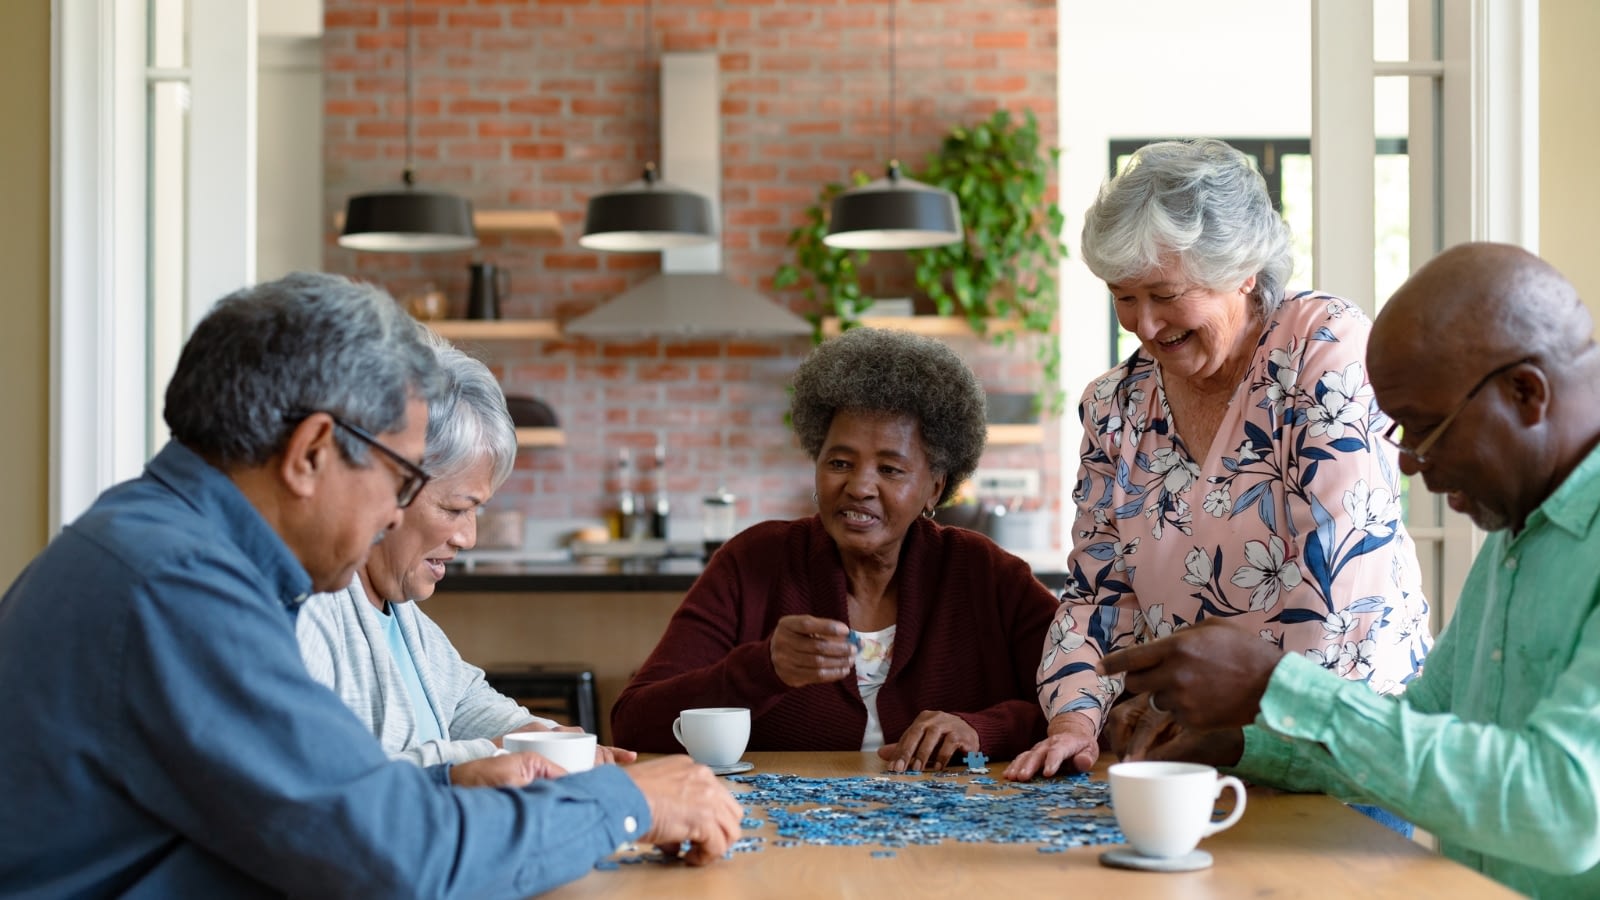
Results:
1485 360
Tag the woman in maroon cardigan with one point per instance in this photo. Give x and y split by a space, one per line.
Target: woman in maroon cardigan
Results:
866 626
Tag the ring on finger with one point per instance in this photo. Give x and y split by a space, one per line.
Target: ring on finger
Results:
1150 698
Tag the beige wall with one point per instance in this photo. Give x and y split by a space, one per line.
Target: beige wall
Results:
25 260
1569 133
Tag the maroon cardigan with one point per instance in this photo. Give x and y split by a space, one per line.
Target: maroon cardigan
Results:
970 629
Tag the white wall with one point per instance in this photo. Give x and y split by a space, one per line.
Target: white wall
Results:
1158 68
289 138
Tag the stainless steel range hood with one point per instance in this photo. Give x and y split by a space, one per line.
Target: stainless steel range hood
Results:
691 296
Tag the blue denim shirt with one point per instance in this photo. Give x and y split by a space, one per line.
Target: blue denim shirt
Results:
160 736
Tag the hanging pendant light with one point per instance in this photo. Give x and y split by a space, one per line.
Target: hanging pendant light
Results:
408 220
649 214
893 212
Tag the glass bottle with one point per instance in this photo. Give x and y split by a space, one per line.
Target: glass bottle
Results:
661 504
622 511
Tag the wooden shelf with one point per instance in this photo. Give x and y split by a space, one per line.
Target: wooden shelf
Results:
536 222
927 326
496 329
541 437
1016 434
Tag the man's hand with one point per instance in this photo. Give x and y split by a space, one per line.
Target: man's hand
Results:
1073 742
810 650
1208 676
1216 747
687 803
1134 724
510 770
929 742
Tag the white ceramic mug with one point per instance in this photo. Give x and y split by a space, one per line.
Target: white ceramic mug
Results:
1164 808
571 750
715 736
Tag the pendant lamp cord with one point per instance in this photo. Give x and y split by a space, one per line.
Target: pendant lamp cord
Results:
893 119
408 177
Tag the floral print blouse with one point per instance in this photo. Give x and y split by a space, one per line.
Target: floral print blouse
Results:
1292 526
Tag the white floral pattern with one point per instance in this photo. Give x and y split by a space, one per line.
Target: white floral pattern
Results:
1298 533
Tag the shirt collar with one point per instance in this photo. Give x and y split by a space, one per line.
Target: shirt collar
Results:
212 494
1575 503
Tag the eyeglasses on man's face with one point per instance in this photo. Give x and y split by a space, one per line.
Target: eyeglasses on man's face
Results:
1401 437
414 476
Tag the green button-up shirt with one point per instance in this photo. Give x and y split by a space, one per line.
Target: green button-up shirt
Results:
1496 747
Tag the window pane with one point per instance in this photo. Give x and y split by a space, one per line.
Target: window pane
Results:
1297 212
167 242
1391 32
168 33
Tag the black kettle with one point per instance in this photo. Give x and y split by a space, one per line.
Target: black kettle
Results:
483 292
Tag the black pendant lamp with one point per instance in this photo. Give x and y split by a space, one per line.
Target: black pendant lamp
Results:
894 212
408 220
645 216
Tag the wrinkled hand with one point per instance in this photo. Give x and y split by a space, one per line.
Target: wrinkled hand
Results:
929 742
1208 676
510 770
1134 724
603 755
687 803
1073 742
1214 747
810 650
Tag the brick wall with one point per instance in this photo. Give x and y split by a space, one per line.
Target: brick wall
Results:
540 103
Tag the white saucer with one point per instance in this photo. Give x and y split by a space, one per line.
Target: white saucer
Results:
1126 858
742 765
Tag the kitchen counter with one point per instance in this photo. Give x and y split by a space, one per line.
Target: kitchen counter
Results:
670 574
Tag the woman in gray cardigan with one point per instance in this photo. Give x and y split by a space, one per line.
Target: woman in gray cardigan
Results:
370 643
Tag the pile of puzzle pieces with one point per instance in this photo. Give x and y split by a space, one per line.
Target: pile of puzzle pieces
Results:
894 811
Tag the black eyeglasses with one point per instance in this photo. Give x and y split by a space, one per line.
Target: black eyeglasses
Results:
415 477
1396 433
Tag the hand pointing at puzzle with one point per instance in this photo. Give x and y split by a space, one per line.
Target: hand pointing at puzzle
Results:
1209 676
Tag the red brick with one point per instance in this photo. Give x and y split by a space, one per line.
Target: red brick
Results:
534 150
534 106
1001 40
578 262
499 128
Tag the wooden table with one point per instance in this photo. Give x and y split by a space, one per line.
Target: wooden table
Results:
1286 845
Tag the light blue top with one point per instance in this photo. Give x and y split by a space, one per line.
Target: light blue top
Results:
161 737
1496 747
427 722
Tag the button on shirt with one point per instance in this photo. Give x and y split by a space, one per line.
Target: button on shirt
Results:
1496 747
162 737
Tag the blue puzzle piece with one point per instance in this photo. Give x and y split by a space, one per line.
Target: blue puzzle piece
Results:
854 638
976 761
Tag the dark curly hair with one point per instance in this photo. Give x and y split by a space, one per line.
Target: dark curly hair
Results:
881 371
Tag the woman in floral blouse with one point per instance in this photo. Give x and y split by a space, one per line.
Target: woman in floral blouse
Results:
1232 465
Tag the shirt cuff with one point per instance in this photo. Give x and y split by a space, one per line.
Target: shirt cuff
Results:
627 811
1283 748
439 773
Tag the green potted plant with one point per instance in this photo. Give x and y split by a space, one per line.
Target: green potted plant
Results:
1004 270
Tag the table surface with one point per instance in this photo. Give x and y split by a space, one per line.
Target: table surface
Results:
1286 845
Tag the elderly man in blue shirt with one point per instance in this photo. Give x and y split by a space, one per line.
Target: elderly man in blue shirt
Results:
161 736
1486 361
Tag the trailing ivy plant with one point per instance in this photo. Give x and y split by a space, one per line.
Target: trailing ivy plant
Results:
1004 268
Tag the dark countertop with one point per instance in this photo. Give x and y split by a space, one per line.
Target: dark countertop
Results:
605 576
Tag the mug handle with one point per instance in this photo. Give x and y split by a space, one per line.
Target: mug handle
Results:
677 731
1226 781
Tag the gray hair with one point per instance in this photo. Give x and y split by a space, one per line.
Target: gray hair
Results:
469 421
880 371
266 355
1201 201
